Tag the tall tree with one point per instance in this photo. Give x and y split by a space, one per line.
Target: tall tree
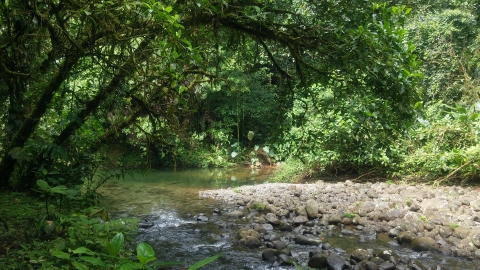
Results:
75 73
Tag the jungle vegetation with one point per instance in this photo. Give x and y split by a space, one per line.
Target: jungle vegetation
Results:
101 88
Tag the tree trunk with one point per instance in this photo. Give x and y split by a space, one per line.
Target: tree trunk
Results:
31 122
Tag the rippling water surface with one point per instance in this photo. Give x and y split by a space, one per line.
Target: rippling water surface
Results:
170 200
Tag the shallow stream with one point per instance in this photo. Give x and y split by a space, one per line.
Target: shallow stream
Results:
170 200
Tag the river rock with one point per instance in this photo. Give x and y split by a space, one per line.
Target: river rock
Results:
236 214
305 240
279 245
147 224
335 261
272 219
318 261
202 218
244 233
312 208
424 244
476 240
359 255
269 255
250 242
334 219
406 238
300 210
386 266
416 265
300 220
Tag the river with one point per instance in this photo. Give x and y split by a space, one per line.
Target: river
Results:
170 201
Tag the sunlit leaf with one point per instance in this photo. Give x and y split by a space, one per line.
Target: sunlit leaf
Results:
115 244
145 253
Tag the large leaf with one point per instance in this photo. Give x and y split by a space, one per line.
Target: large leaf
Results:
59 190
204 262
79 266
83 250
130 266
145 253
60 254
93 260
115 244
43 185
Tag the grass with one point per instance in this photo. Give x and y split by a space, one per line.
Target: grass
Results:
349 215
292 171
20 216
258 206
409 202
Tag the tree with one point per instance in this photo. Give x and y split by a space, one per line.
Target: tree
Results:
77 73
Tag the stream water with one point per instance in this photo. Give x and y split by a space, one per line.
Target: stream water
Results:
170 200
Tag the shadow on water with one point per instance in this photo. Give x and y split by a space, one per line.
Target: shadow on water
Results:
170 201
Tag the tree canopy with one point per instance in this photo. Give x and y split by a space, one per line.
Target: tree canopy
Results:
77 75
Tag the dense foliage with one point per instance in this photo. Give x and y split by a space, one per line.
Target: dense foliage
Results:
91 90
82 79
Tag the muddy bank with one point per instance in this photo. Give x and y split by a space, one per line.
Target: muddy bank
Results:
443 220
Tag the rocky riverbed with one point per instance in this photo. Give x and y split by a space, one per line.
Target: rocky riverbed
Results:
441 220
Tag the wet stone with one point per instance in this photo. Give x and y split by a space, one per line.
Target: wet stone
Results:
236 214
305 240
386 266
202 218
335 261
319 261
359 255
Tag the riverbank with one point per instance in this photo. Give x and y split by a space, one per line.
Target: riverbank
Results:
444 220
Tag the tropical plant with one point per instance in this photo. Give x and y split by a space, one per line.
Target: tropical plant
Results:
83 258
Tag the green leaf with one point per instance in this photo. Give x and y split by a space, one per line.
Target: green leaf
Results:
145 253
60 254
79 266
115 244
83 250
204 262
168 9
418 105
461 109
473 116
59 190
250 135
130 266
93 260
43 185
